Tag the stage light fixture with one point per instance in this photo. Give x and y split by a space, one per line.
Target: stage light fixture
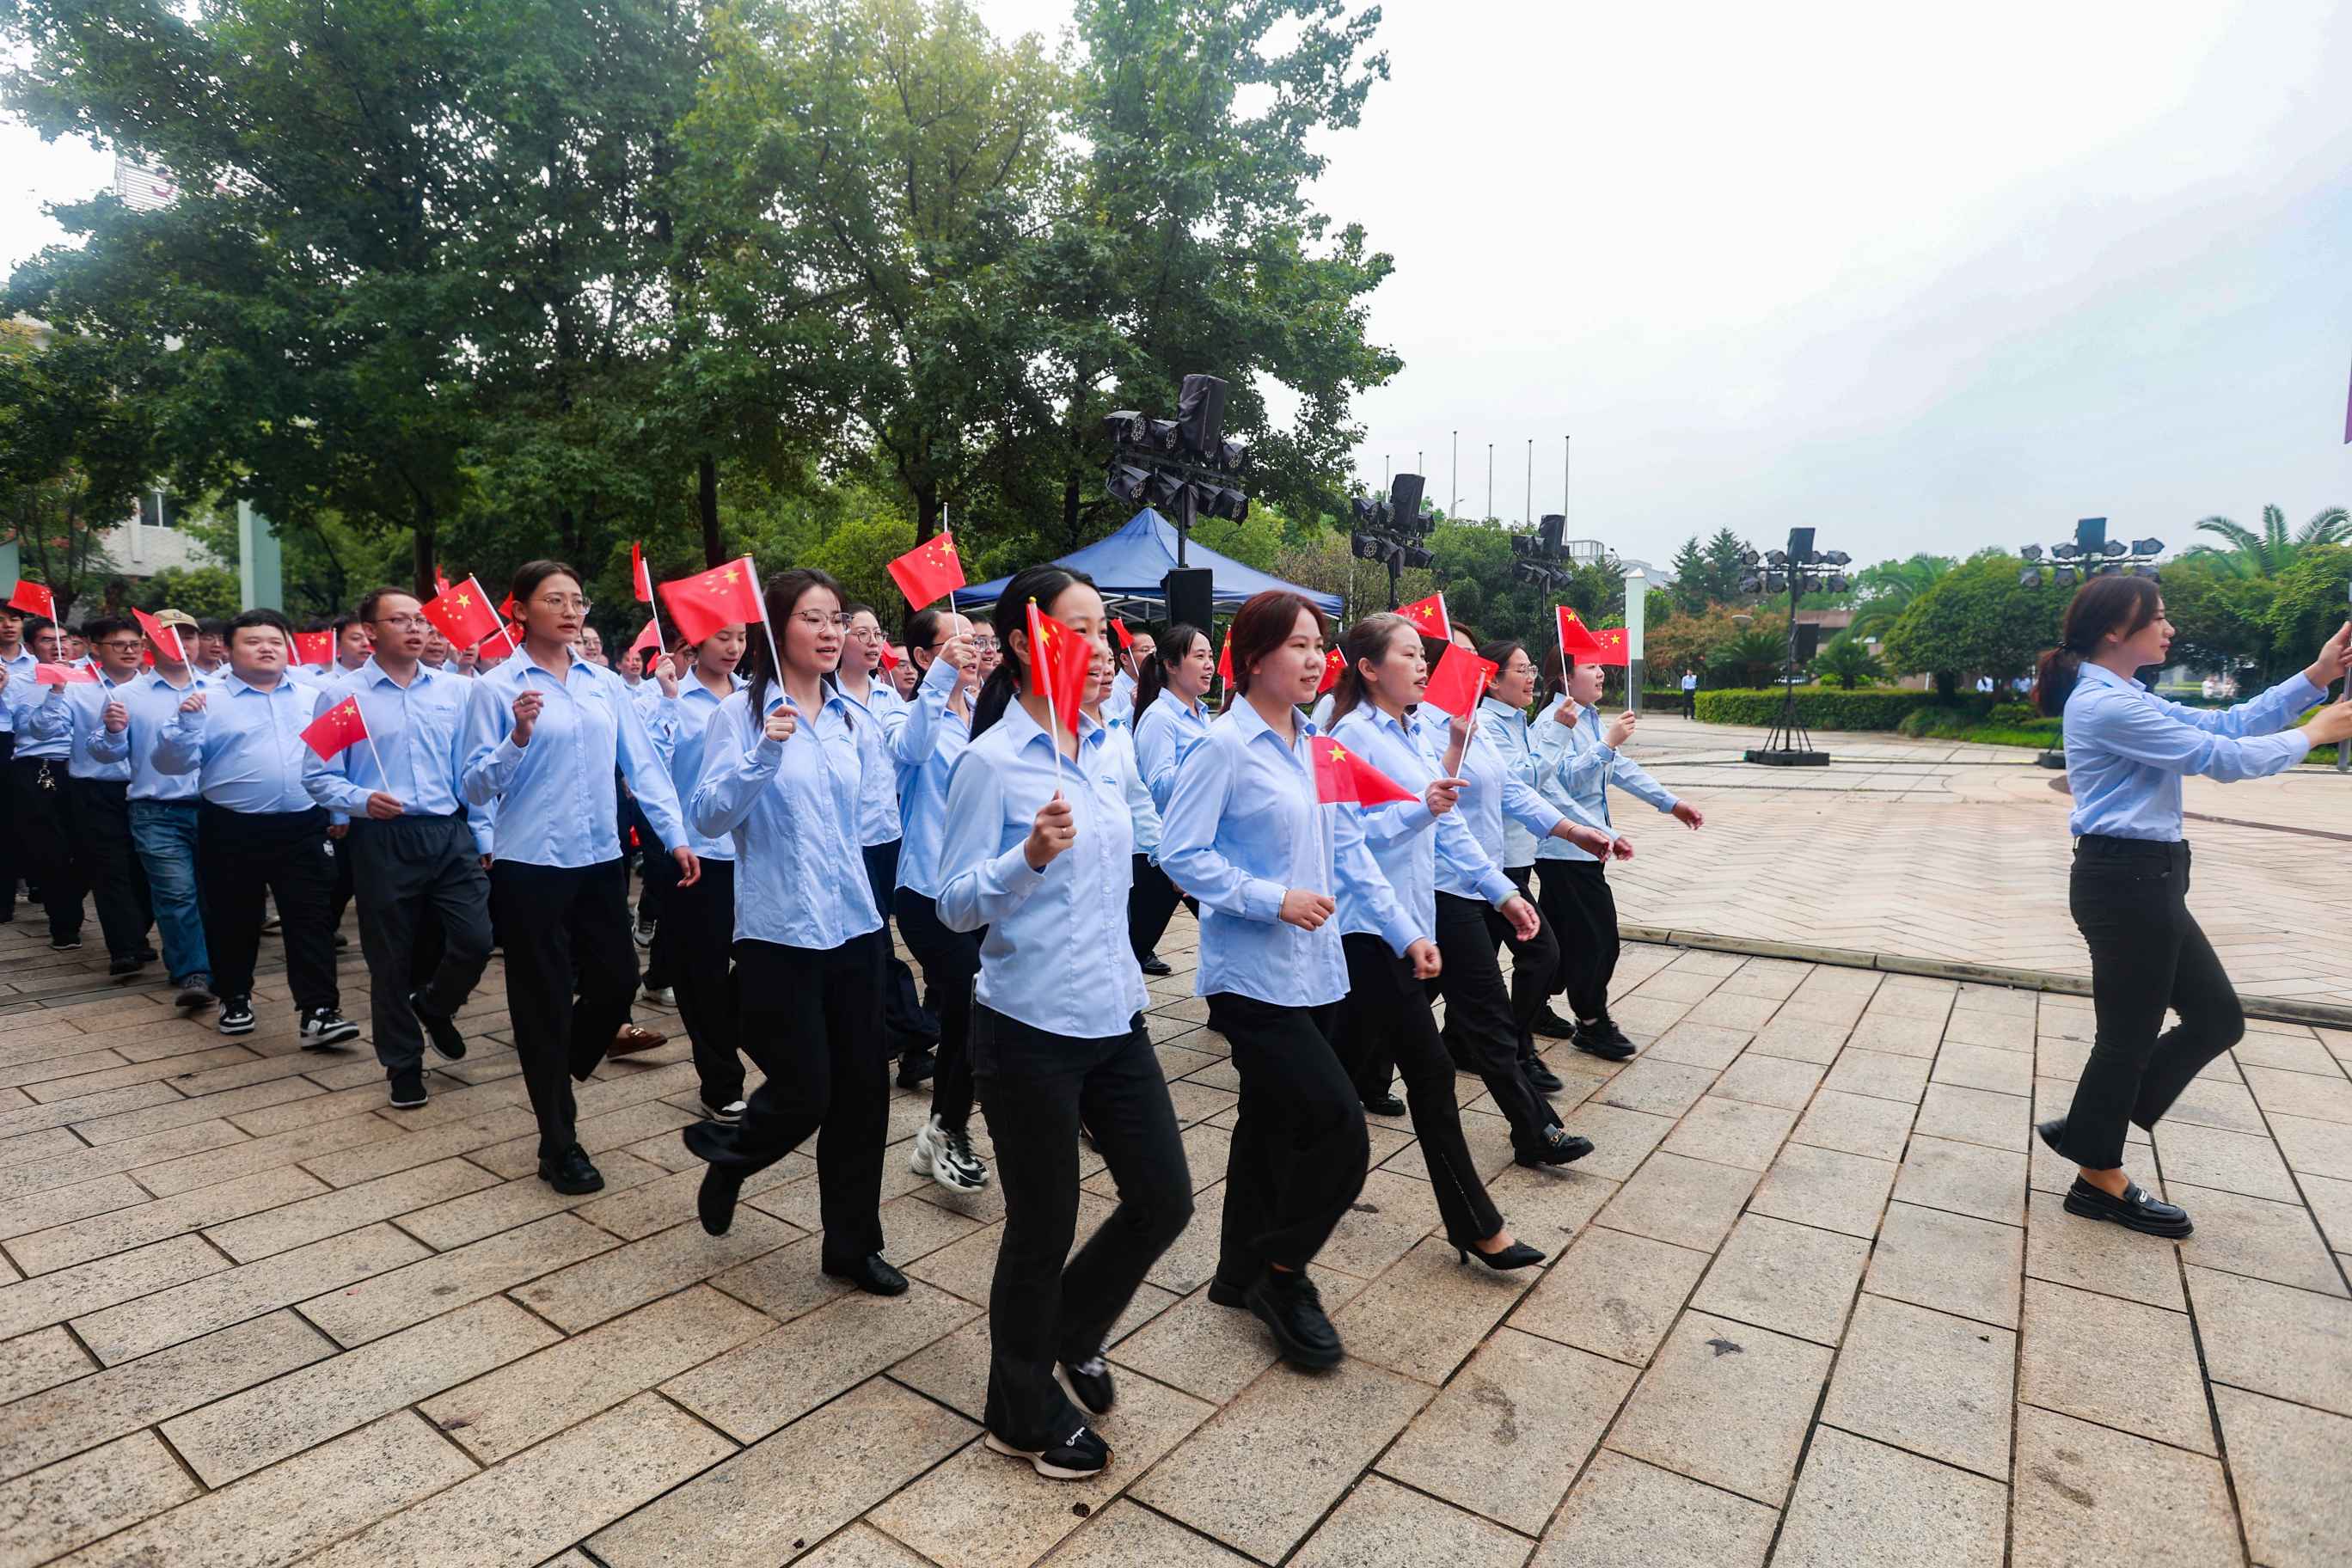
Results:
1838 558
2115 547
2030 577
2147 547
1776 557
1129 482
2065 576
2032 552
1127 425
1748 557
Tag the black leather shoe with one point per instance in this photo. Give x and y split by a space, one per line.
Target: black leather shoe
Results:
871 1275
2053 1132
1079 1456
116 969
1090 1381
1603 1039
714 1201
1155 964
443 1032
1384 1105
1518 1255
570 1173
915 1069
1223 1292
2132 1211
1545 1081
1292 1309
1561 1147
1552 1026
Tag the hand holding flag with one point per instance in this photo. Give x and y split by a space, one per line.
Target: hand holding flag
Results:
930 570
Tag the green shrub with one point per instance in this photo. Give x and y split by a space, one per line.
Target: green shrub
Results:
1952 722
2012 713
1817 708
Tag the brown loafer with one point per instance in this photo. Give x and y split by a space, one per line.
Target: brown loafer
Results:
633 1040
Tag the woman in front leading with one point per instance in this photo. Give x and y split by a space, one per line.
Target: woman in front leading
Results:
2126 751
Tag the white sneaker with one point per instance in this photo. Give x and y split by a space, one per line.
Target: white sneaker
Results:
326 1029
661 995
946 1158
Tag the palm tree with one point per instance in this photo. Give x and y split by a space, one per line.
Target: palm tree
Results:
1844 661
1888 590
2272 551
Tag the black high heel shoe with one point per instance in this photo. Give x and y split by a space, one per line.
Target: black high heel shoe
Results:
1518 1255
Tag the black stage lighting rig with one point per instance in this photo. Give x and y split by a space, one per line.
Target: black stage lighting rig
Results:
2090 553
1799 569
1539 559
1185 468
1390 531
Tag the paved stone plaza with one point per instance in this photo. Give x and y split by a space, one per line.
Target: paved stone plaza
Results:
1813 1301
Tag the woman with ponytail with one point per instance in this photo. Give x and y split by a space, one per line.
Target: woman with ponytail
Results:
783 777
1171 717
2127 751
1037 857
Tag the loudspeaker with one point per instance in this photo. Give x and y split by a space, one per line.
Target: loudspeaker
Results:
1809 640
1800 546
1191 593
1200 416
1405 497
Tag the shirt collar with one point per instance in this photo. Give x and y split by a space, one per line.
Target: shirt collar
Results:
239 686
2101 674
1017 718
155 678
1497 705
373 674
1245 715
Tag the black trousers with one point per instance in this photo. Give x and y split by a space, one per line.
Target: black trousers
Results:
911 1029
817 1013
242 856
424 922
697 945
1300 1148
1387 1014
1576 899
1484 1025
571 970
1038 1087
950 961
109 864
8 872
2130 898
1151 900
658 895
41 800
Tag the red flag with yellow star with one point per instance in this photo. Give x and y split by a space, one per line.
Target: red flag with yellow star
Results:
1340 775
929 572
1061 665
724 595
338 727
1429 617
1612 645
1335 663
1576 638
463 613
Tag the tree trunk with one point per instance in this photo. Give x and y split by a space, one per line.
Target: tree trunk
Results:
707 499
424 536
927 513
567 528
1946 685
1070 507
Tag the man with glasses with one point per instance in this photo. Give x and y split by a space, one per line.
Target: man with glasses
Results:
163 812
91 718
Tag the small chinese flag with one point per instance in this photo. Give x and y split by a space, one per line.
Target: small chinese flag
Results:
1334 664
440 579
641 576
1612 647
929 572
161 636
724 595
314 647
1225 656
62 674
1125 638
338 727
463 613
1576 639
890 658
507 609
1061 666
1430 617
648 641
34 600
1342 776
1458 681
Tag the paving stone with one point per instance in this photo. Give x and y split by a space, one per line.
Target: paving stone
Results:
289 1509
1966 1178
1261 1471
1897 1034
1511 1429
1975 1116
1861 1504
119 1230
1690 1203
1696 1042
2233 1162
18 1182
2224 1105
1384 1526
2085 1494
2287 1047
1927 1381
2069 1365
25 1149
2005 1031
369 1097
1799 1038
1948 1261
2312 1147
1210 1352
54 1510
346 1167
338 1210
2270 1339
62 1101
78 1415
39 1359
307 1406
771 1382
786 1283
2293 1468
1658 1087
1388 1217
863 1546
612 1282
1984 1066
530 1508
1824 1187
377 1307
1621 1139
1778 1275
1428 1311
1734 1009
1726 1404
1123 1535
1769 1080
89 1287
1627 1514
2272 1241
1731 1133
1855 1124
62 1205
447 1225
2331 1205
1881 1075
194 1170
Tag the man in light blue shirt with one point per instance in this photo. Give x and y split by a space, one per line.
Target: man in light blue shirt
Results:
16 662
93 718
257 830
40 808
163 814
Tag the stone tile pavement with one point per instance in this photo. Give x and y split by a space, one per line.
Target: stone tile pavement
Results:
1812 1301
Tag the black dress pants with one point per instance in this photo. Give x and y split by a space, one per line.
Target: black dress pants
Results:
1300 1148
697 947
817 1015
571 970
424 922
1151 900
950 961
109 864
912 1030
1038 1087
657 898
1483 1027
2130 898
1387 1013
42 804
8 872
1575 896
241 856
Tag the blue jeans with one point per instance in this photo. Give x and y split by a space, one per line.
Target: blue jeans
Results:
166 833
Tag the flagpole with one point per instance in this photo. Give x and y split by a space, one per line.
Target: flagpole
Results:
944 529
653 608
775 659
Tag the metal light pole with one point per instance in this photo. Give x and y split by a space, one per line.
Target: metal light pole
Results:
1455 504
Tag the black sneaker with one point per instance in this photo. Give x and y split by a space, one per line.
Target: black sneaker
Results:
65 945
1156 965
407 1088
2132 1211
1545 1081
196 994
1384 1105
1090 1381
235 1016
324 1029
1552 1026
123 967
714 1201
570 1171
1561 1147
447 1043
1292 1309
1602 1039
1079 1456
915 1067
146 956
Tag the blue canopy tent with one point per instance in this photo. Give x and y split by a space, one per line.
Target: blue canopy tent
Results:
1127 567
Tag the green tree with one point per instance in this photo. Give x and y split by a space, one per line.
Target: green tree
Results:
76 452
1693 578
1977 619
1884 591
1846 661
1751 657
2308 607
2273 550
199 591
2221 617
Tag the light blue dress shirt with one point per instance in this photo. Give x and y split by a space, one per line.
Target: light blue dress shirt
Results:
1168 731
1408 842
79 712
679 725
1244 827
1056 955
418 732
925 738
20 684
877 806
1582 770
792 807
1493 792
555 802
1507 727
2127 749
52 741
154 703
1120 702
245 745
1140 806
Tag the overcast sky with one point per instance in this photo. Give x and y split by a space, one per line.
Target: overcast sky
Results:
1925 281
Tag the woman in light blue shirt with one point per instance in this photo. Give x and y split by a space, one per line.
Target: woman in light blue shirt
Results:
1037 855
783 776
1170 717
2126 752
1248 833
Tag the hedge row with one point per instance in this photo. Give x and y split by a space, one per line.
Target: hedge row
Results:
1817 708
